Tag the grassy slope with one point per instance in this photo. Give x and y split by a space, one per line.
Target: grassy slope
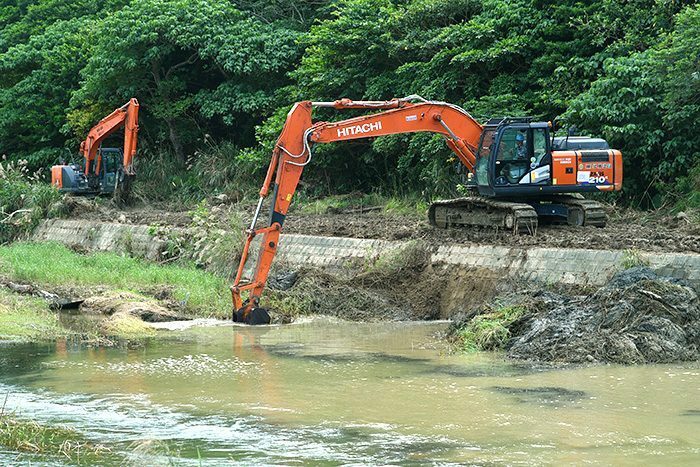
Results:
52 264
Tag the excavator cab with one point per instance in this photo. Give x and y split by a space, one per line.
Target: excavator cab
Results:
518 160
514 158
517 157
110 169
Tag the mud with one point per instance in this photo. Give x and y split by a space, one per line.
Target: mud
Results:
624 231
638 317
114 303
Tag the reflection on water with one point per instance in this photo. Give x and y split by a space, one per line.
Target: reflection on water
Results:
338 393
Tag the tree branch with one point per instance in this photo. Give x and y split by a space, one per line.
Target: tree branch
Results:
190 60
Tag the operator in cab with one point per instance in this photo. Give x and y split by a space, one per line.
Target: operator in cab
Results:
520 148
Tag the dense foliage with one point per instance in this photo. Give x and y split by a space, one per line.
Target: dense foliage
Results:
215 79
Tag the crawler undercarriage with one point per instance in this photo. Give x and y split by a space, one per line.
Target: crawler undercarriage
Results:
520 217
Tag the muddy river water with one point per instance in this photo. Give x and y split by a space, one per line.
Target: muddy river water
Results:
329 392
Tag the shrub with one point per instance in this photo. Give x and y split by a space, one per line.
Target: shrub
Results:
24 200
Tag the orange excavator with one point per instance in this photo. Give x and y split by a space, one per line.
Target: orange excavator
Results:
519 173
106 170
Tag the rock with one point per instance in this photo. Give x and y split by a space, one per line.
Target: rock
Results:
121 219
221 199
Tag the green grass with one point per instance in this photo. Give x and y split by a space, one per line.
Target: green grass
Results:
632 259
27 319
20 435
52 264
489 331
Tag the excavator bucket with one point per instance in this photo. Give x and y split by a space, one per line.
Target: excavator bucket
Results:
254 316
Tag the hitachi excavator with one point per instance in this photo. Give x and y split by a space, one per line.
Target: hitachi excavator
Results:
519 173
107 170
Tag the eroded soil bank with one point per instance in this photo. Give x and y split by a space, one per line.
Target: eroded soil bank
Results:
638 317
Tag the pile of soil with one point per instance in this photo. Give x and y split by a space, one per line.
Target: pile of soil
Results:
638 317
126 303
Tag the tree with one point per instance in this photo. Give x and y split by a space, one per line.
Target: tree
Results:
188 61
647 104
36 81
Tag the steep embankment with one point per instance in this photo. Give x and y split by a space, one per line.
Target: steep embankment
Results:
637 317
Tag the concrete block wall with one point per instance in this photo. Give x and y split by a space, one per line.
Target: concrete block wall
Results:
331 252
553 265
102 236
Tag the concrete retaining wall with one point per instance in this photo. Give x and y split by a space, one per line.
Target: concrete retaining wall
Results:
553 265
103 236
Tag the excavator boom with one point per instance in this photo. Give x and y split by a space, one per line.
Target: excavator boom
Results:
126 116
293 152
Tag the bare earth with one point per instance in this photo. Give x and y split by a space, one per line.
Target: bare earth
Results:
625 230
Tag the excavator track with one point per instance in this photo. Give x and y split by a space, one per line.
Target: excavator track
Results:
485 212
583 212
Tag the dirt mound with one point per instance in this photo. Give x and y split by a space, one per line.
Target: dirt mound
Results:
125 303
638 317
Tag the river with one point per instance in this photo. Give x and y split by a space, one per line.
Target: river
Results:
332 392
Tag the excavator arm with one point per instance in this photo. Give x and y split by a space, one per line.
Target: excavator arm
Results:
292 153
126 116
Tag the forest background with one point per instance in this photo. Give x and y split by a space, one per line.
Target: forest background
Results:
215 79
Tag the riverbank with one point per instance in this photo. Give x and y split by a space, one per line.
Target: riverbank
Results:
376 217
637 317
532 320
121 293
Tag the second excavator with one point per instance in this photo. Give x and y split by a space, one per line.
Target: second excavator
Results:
519 173
106 171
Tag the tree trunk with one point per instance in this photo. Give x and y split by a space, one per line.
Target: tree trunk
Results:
175 140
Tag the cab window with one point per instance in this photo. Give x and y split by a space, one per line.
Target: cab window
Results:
539 140
482 171
514 145
486 143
